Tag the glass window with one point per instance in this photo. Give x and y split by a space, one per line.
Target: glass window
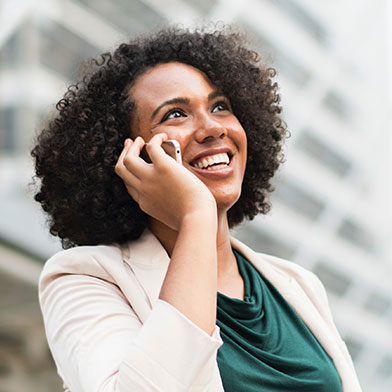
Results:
333 280
9 51
260 241
298 199
282 61
7 129
307 21
378 304
354 347
130 16
384 369
352 232
318 150
291 69
204 6
63 51
337 105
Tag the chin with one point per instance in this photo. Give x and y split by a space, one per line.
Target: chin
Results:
225 202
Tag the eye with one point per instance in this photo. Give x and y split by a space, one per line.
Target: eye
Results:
219 106
175 113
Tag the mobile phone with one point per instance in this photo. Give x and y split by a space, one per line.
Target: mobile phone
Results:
171 147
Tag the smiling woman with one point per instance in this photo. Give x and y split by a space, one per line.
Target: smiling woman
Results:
154 294
178 100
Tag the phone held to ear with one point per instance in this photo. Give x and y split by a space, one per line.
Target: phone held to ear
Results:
171 147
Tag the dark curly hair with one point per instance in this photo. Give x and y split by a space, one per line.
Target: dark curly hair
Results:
76 153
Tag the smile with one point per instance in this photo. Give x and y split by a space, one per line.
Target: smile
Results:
212 162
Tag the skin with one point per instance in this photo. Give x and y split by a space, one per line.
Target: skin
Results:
187 205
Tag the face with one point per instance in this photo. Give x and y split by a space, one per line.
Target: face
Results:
178 99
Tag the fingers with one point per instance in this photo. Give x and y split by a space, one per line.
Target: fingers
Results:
154 148
132 169
129 163
122 168
127 145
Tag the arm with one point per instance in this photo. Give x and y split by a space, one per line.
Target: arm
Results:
170 194
190 284
99 344
97 340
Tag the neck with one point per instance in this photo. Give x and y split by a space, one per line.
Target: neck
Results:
226 259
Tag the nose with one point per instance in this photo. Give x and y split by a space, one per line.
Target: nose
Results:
209 128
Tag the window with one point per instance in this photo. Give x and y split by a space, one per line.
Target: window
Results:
307 21
298 199
318 150
283 62
337 105
9 51
352 232
333 280
130 16
7 129
384 369
260 241
203 6
378 304
64 51
354 347
292 69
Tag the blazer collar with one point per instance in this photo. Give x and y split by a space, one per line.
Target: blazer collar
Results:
309 307
149 261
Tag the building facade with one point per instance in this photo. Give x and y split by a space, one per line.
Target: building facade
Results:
330 210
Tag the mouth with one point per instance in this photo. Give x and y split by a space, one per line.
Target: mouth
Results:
212 162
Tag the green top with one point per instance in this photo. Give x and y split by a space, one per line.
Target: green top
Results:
267 347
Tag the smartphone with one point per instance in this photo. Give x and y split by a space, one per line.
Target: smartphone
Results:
171 147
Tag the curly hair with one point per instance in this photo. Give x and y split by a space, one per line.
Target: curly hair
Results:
75 154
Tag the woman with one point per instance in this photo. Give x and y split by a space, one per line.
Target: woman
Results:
156 284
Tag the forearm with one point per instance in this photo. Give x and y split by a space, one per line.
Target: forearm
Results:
99 343
190 284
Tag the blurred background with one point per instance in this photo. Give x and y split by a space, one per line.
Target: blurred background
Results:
331 210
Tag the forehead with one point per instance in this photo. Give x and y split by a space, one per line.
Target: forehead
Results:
170 80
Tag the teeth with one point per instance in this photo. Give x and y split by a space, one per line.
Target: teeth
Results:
217 167
217 158
214 162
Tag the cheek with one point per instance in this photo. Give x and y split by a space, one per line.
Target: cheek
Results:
242 141
181 134
243 145
140 127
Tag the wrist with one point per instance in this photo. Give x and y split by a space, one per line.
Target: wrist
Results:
204 218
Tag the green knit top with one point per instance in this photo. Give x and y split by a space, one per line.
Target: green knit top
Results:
267 347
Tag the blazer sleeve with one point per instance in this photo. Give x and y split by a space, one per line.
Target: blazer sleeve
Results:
99 344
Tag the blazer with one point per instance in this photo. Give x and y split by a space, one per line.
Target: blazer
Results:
108 331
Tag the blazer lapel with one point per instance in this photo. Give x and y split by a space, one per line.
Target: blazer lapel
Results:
148 261
295 295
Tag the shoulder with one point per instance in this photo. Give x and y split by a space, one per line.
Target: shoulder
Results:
86 252
301 275
283 266
112 263
95 261
281 271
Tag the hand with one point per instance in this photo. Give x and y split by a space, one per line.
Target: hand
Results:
163 189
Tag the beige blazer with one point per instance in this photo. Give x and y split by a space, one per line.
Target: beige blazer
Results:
108 331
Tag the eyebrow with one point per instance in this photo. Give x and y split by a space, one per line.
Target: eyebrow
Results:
169 102
185 101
